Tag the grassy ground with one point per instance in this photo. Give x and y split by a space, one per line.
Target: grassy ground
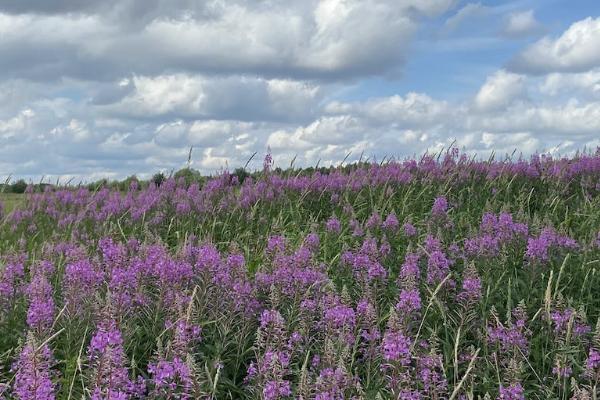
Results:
10 200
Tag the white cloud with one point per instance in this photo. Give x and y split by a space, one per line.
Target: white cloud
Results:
388 126
499 91
400 126
10 128
576 50
198 96
331 39
581 84
521 24
412 110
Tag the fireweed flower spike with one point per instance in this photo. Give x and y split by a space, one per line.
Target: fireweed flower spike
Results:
40 314
391 222
333 225
109 377
172 374
11 277
267 375
33 373
513 391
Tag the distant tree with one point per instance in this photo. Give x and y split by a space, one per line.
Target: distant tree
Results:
158 178
129 182
189 175
241 174
19 186
97 185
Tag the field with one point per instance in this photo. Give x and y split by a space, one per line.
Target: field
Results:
436 278
10 201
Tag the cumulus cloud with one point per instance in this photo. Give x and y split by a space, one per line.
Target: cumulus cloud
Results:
10 128
521 24
576 50
412 111
196 96
314 39
500 90
494 122
386 126
585 84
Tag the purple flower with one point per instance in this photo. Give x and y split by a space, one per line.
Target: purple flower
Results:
110 378
10 277
315 361
271 318
312 241
276 389
396 348
409 302
512 392
438 267
486 245
333 225
268 162
391 222
340 316
430 374
514 336
374 221
185 336
33 378
276 244
367 316
332 384
440 206
365 263
40 314
471 286
538 248
409 229
560 319
410 267
592 364
80 283
171 378
356 227
562 371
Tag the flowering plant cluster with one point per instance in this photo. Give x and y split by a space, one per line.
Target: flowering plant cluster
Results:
438 278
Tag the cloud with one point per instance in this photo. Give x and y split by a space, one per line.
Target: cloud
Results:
395 126
47 139
197 96
576 50
584 84
411 111
327 39
210 133
10 128
67 138
521 24
499 91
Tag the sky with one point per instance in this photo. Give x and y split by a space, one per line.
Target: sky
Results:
106 89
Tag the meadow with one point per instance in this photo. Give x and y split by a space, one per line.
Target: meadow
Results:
443 277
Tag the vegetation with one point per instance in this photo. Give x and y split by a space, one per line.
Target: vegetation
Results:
438 278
